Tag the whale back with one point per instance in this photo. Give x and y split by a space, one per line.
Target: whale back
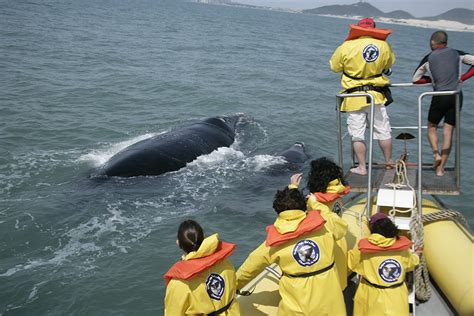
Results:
170 151
295 154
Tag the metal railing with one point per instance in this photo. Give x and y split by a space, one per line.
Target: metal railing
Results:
420 127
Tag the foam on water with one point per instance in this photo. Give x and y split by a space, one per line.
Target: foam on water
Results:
98 157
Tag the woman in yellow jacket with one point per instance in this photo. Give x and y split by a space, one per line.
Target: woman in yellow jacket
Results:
382 261
300 243
326 184
203 282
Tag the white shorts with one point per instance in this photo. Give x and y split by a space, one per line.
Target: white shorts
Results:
357 123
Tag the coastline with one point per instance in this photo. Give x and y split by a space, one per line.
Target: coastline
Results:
439 24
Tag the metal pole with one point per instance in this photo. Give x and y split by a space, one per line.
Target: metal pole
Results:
458 141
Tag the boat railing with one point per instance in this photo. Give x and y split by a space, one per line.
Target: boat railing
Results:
419 128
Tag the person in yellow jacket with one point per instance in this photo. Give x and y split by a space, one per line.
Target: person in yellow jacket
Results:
300 243
363 61
327 186
203 282
382 261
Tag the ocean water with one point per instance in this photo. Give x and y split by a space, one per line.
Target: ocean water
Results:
81 80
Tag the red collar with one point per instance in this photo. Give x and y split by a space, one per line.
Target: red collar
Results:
401 243
327 197
187 269
312 221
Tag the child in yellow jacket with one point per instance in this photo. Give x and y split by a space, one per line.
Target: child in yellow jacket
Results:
382 261
302 245
203 282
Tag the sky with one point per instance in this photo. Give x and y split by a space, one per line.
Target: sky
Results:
418 8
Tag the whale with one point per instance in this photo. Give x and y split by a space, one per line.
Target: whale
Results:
171 151
296 154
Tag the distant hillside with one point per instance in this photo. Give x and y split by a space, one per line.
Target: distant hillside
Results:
465 16
398 14
360 9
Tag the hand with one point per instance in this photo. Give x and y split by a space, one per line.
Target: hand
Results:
419 250
296 179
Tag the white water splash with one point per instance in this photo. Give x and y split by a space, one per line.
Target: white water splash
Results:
100 156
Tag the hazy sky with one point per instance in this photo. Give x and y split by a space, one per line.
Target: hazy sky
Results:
416 7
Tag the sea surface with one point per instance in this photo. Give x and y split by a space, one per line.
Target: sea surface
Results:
80 80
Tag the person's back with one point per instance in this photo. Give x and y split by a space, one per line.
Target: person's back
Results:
382 262
444 68
362 62
203 283
303 248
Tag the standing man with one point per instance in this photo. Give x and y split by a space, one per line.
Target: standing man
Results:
444 64
362 61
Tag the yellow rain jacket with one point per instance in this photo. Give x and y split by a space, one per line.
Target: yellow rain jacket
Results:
334 191
208 290
299 243
365 57
382 262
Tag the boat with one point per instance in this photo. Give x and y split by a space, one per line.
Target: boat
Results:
443 283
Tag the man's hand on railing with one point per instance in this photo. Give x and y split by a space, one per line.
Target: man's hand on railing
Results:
423 80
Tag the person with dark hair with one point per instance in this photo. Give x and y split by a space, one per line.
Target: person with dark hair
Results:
363 59
443 63
302 245
203 282
382 261
327 186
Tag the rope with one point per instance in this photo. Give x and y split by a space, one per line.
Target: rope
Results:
422 278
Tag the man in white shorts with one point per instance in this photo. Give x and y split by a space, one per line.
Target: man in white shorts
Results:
363 61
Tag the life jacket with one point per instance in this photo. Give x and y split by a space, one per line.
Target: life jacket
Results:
187 269
327 197
402 243
357 31
313 221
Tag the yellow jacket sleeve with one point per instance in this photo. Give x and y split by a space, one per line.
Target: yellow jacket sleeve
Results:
391 60
353 259
413 261
253 265
176 298
336 62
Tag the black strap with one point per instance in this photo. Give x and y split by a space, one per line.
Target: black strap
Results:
223 309
306 275
356 78
382 286
364 89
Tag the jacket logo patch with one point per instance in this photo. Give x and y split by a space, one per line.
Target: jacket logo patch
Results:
390 270
306 252
370 53
215 286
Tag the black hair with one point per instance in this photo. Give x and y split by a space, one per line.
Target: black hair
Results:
384 227
439 37
289 199
190 236
323 171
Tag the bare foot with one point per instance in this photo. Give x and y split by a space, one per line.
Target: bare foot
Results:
359 170
437 160
389 165
440 171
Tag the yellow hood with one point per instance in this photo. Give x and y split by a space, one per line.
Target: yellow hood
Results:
335 186
288 221
208 247
381 241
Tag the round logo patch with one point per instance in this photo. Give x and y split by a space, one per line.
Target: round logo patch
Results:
390 270
370 53
215 286
306 252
